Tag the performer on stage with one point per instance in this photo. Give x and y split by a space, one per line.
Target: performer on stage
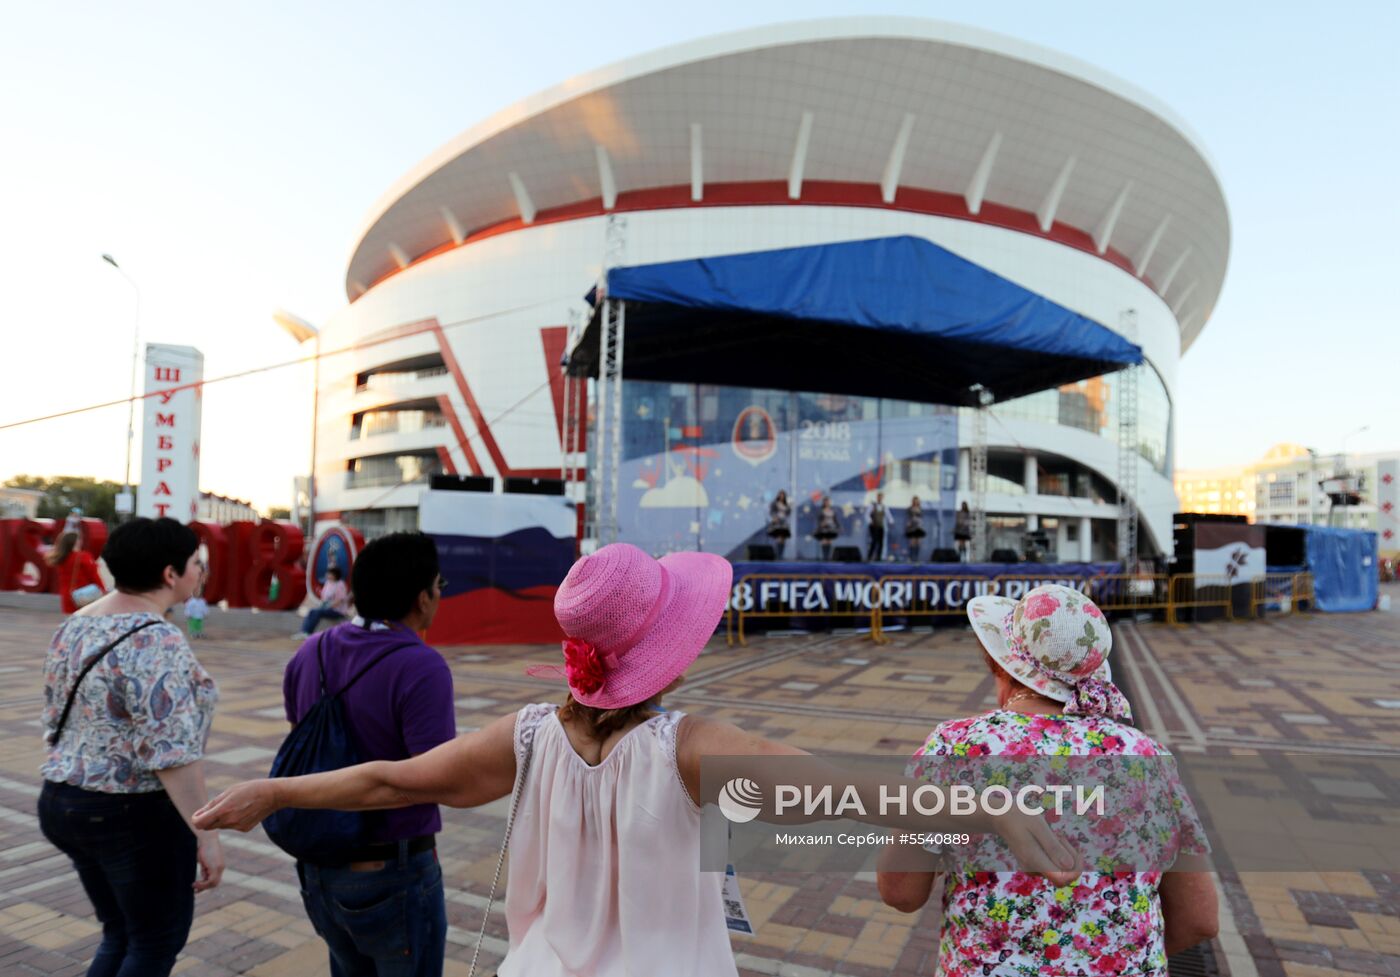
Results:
827 528
914 528
877 529
779 529
962 532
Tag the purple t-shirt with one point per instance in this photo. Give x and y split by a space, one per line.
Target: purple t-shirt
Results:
402 707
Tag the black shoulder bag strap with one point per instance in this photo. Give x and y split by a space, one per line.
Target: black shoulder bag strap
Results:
321 665
73 693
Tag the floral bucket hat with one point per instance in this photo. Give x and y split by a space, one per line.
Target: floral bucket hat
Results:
1056 641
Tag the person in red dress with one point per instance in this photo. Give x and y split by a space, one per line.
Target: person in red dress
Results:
74 569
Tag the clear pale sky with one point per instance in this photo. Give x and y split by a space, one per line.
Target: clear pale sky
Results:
227 154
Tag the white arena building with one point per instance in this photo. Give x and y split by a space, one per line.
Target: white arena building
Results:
1033 165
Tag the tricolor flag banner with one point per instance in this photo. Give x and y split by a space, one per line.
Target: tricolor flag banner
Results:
1228 551
1388 503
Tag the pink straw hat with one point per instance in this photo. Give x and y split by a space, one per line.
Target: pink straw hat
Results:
634 624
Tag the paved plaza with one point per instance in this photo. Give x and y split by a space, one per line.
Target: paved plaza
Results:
1295 684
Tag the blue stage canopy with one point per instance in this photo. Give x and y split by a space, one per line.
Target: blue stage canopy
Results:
894 317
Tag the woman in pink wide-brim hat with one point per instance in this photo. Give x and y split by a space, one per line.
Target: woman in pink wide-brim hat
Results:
605 860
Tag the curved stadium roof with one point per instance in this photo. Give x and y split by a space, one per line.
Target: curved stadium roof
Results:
882 112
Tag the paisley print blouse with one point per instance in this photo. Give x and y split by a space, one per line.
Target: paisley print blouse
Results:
1106 924
146 706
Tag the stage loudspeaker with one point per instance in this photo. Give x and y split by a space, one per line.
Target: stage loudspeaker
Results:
534 486
1005 556
462 483
762 551
847 554
945 555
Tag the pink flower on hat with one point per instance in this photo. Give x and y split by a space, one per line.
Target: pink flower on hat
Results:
583 666
1092 609
1041 605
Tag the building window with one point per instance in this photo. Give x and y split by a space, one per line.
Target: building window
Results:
417 368
405 418
387 470
1281 493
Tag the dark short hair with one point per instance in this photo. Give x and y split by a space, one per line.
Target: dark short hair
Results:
335 572
390 573
139 550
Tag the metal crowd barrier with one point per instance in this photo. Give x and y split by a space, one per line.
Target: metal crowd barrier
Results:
929 595
919 595
1303 592
750 600
1131 592
1200 591
1274 591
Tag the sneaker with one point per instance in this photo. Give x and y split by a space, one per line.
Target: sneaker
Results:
300 635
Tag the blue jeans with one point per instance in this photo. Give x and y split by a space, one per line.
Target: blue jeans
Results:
136 859
318 614
386 923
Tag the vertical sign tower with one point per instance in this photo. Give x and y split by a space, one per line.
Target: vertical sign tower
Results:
170 432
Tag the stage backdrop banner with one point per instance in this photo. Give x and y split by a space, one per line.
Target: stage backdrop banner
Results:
1233 550
702 465
820 587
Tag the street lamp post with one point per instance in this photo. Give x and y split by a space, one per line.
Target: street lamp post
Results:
131 400
301 330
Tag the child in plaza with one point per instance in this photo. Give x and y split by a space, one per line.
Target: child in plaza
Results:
605 872
196 610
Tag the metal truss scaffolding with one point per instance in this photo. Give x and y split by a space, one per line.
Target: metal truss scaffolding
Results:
1128 451
977 469
609 420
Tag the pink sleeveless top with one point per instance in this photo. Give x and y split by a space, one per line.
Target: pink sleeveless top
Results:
605 861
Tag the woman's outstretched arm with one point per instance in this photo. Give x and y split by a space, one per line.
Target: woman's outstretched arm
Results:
475 768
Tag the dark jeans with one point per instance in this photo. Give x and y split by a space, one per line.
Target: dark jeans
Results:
877 543
386 923
318 614
136 859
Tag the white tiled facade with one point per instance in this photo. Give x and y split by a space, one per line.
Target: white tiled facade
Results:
635 126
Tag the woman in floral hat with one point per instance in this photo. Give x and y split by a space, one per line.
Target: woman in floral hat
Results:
605 861
1055 697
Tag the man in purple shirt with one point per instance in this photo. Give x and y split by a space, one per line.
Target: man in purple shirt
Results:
380 908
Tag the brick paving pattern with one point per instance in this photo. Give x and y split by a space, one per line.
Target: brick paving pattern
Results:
1301 684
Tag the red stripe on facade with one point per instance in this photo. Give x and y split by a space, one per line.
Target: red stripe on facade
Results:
498 459
445 457
445 405
554 339
815 193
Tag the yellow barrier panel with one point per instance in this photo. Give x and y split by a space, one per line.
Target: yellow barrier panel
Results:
1277 589
1131 592
1200 590
1303 592
929 595
918 595
862 596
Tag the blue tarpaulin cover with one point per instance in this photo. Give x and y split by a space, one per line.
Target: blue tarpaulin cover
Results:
895 317
1346 575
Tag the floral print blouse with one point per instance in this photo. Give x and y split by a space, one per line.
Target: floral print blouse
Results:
146 706
1010 924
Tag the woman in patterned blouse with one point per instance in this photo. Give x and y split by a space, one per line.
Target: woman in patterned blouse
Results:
126 731
1055 696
